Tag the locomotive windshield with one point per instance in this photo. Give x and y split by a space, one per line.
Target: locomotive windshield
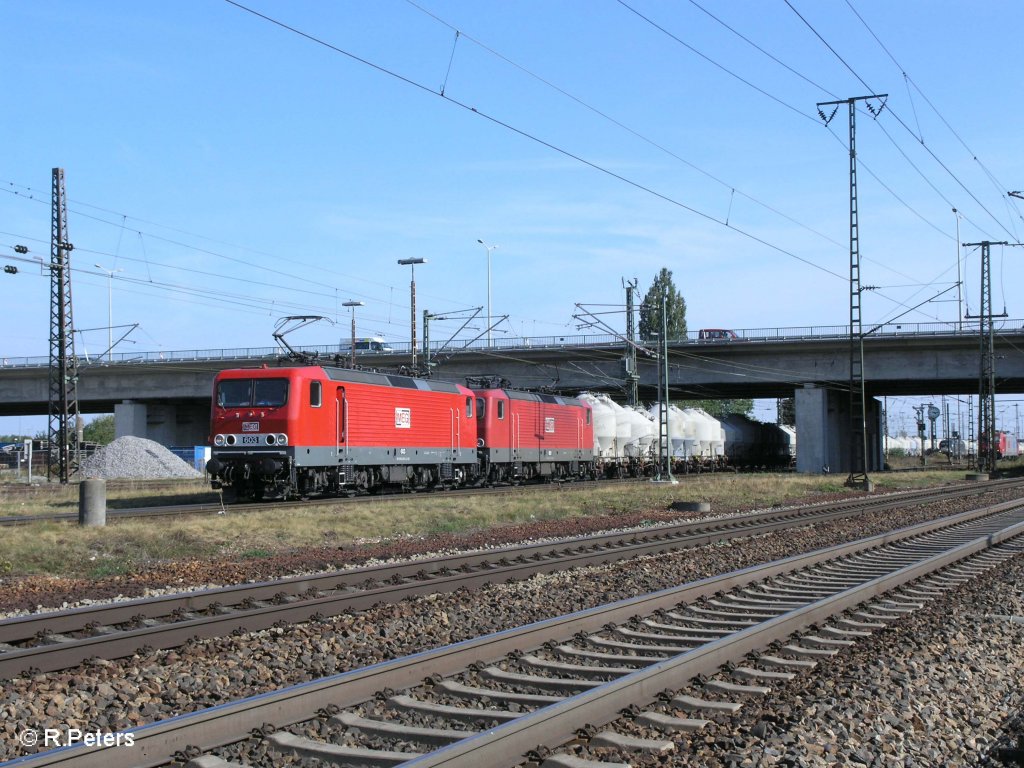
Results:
248 393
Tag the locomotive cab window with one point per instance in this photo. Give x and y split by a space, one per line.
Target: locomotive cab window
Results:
480 408
270 393
234 393
588 418
469 407
501 409
316 394
246 393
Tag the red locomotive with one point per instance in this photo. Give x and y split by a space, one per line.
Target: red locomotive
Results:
526 436
279 433
1006 445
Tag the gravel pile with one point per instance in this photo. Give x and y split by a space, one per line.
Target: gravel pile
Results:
136 458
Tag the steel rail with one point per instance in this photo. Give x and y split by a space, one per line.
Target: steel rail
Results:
157 743
168 620
558 723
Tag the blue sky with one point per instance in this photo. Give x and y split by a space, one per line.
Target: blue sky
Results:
209 151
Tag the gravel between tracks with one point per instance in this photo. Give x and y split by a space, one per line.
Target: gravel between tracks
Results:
122 694
942 688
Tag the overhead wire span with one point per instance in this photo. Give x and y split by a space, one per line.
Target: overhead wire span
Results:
250 265
887 187
750 42
934 109
542 142
605 116
900 120
711 61
850 68
233 278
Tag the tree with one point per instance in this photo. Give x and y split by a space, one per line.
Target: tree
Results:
99 430
675 309
716 408
787 411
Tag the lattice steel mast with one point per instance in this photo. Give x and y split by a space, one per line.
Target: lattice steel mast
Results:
858 408
629 352
664 443
986 459
62 460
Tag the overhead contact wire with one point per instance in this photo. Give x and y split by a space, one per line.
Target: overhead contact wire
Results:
537 140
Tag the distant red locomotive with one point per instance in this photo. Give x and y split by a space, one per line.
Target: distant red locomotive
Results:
295 432
1006 445
526 436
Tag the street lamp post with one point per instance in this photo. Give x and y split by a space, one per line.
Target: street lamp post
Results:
411 263
110 309
489 249
959 284
352 349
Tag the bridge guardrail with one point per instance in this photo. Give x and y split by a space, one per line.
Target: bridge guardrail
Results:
328 352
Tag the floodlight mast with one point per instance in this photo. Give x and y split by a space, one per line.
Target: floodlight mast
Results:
489 249
411 263
352 350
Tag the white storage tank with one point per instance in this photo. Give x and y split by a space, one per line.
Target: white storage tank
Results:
681 431
644 431
624 443
718 446
707 432
604 423
691 443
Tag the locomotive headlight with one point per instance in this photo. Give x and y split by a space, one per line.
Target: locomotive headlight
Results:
282 439
230 439
270 439
218 440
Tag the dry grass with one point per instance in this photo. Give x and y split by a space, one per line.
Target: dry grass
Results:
63 549
21 499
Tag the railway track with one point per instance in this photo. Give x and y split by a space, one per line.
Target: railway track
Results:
61 639
607 682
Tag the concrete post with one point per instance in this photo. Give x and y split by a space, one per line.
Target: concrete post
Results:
92 502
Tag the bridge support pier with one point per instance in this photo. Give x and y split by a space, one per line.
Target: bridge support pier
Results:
823 431
164 423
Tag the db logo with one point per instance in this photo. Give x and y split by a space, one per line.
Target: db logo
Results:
403 418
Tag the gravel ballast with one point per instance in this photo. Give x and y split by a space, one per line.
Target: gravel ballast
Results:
984 670
123 694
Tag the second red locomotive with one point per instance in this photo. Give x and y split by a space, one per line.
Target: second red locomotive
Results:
525 436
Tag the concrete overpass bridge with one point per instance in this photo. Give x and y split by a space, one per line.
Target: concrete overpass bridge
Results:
165 396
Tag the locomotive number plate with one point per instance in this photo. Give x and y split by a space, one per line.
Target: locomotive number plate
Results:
250 426
250 439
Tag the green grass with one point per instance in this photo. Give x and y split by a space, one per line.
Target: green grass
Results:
255 554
